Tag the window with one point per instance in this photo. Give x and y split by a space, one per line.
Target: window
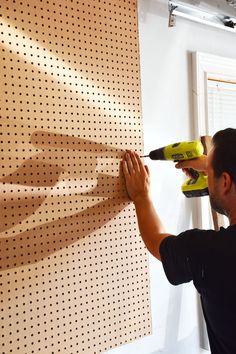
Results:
214 91
221 105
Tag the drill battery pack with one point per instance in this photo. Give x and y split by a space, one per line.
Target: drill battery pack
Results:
196 186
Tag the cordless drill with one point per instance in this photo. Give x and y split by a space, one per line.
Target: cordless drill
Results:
197 185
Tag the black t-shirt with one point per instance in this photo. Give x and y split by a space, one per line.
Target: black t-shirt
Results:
208 258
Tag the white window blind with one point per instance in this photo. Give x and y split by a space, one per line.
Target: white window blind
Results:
221 106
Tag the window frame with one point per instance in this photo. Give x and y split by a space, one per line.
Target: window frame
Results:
207 66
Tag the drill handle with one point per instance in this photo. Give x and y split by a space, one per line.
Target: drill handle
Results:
194 174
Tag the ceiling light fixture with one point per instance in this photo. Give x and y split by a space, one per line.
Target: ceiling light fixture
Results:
197 14
231 2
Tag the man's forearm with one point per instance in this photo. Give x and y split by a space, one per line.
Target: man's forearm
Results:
150 226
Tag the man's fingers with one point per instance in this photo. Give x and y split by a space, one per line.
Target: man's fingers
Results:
135 174
125 169
181 164
129 162
140 163
147 170
185 164
135 161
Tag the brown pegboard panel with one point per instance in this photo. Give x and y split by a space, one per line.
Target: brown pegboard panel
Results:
73 269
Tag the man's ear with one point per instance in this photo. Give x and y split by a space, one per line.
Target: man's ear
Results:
226 182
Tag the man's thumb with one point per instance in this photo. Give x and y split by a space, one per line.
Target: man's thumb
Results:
182 164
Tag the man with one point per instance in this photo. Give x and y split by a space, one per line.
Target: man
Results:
207 257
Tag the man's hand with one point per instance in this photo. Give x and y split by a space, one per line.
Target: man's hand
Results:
137 177
199 164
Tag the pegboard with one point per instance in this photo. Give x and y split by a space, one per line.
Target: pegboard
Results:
73 268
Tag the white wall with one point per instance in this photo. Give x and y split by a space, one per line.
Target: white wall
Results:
166 78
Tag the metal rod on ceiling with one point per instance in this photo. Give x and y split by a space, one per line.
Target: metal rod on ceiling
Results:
197 14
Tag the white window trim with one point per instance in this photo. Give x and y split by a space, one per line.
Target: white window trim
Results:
205 66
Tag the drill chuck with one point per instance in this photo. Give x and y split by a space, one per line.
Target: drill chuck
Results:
157 154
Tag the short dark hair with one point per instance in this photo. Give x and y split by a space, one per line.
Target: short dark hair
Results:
224 155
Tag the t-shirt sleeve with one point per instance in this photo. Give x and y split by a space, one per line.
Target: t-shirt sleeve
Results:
182 256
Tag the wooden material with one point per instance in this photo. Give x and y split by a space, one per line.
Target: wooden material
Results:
217 218
74 270
233 82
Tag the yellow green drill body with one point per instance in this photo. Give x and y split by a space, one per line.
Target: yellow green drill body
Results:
197 185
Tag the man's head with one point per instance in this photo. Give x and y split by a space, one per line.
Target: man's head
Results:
222 170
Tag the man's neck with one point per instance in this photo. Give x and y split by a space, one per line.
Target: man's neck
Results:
232 216
230 208
232 221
